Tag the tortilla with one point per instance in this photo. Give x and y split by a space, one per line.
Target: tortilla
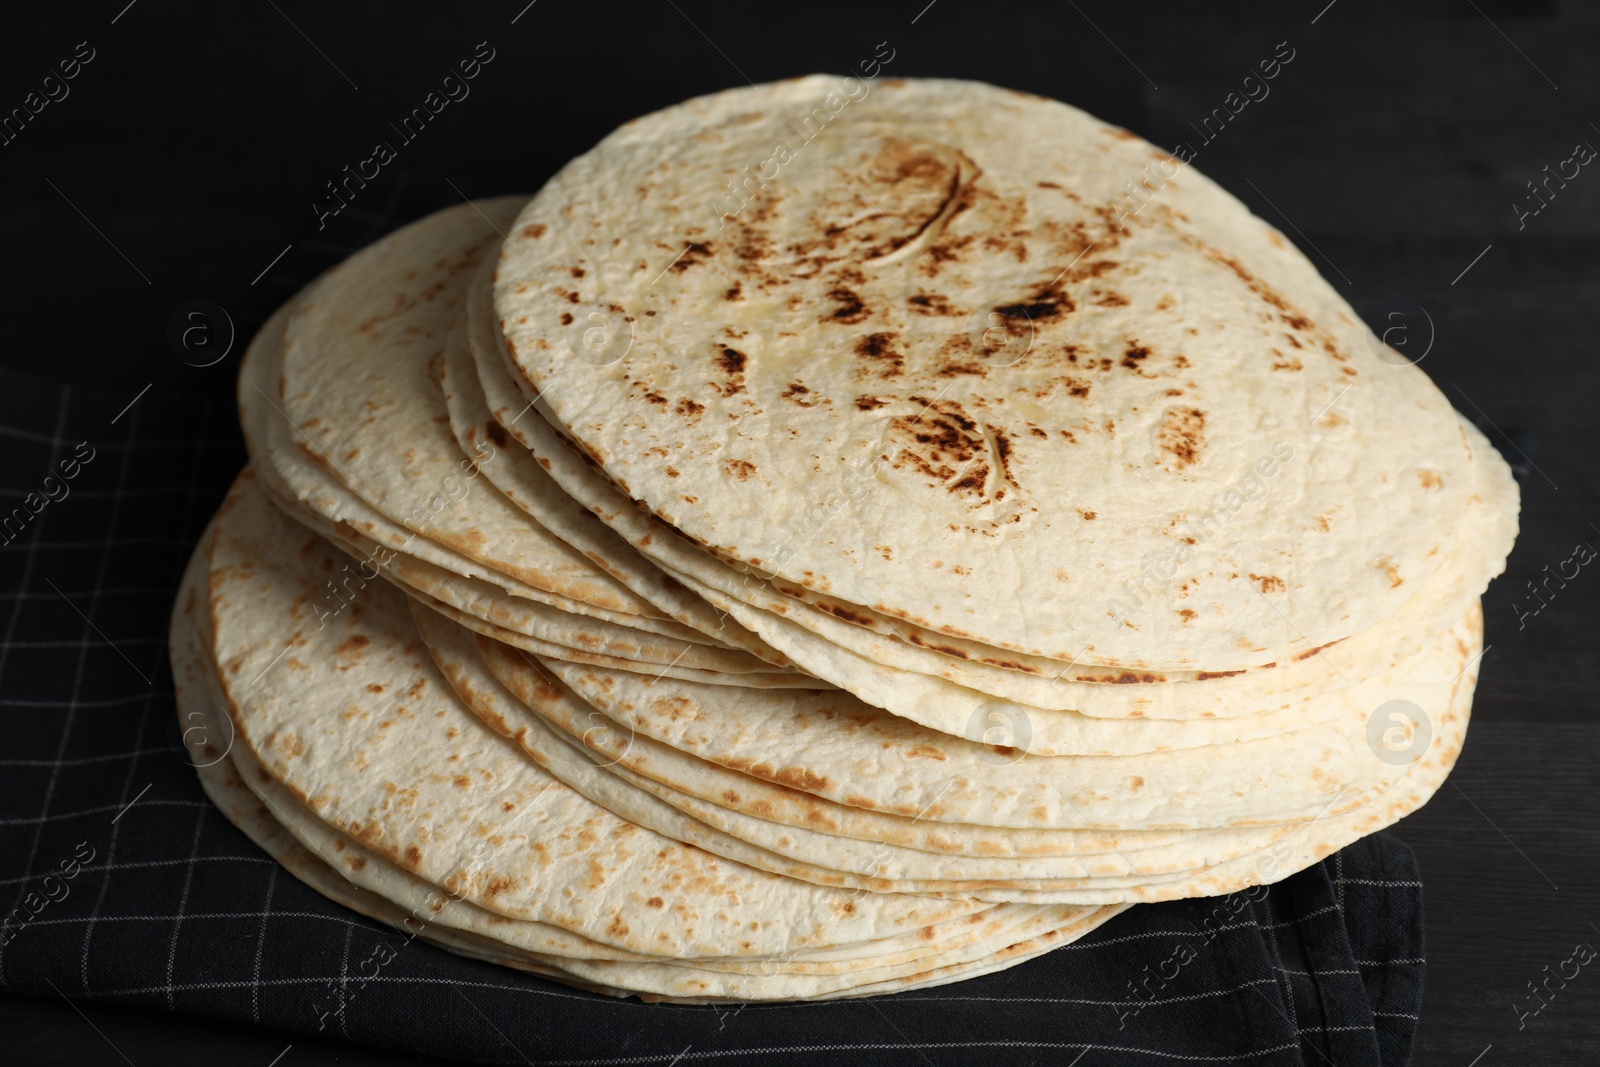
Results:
363 759
829 334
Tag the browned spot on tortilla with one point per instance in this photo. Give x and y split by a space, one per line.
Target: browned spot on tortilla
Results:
1429 479
926 752
534 230
1088 516
945 445
1187 614
869 403
739 468
1182 435
690 408
374 688
846 614
850 310
656 902
732 361
1270 583
733 292
497 434
879 347
353 645
1045 304
801 779
1125 678
949 650
931 304
796 393
1308 653
695 252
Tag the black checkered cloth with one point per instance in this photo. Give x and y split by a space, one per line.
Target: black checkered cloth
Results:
120 882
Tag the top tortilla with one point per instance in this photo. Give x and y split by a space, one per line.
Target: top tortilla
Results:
1010 405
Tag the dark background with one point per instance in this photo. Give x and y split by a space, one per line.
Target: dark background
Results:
1392 149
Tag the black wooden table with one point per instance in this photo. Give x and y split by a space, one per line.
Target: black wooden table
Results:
1395 146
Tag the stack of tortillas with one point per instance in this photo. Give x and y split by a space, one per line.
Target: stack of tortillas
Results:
837 537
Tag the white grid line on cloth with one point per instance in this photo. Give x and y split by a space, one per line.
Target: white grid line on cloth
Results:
104 807
33 542
44 439
1392 963
194 916
344 980
1338 877
1286 986
190 536
183 901
1308 915
1377 882
261 946
1331 1029
5 649
323 980
1398 1015
1308 974
1186 998
109 866
145 717
134 865
909 998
